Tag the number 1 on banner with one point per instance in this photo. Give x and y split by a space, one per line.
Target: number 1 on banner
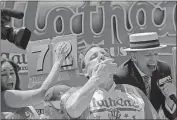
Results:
42 50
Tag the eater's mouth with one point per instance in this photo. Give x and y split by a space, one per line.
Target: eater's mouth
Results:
10 85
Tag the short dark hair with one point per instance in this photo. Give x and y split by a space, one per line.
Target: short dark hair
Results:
83 65
16 69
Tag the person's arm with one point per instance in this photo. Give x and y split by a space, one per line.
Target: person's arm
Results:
16 98
168 106
79 101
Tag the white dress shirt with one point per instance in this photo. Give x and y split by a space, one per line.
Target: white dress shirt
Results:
146 80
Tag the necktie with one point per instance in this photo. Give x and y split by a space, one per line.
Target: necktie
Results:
147 82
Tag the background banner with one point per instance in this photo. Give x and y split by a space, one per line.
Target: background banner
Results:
20 59
106 23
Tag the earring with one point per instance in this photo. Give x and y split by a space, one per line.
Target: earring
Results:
87 76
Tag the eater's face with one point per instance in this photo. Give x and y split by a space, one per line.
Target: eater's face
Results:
93 56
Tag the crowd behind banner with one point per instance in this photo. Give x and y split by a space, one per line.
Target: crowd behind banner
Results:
36 63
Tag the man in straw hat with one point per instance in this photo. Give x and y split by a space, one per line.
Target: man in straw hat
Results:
149 74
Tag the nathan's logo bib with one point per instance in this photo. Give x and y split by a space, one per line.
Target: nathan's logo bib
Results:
116 106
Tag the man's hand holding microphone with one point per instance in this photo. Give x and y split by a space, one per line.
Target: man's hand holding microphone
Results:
169 91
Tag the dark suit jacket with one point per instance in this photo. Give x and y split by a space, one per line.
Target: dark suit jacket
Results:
128 74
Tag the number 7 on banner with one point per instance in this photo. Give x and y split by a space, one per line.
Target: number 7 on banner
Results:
42 50
39 57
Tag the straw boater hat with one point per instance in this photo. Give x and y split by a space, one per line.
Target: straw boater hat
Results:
144 41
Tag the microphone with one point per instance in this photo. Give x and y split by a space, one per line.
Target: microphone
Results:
12 13
162 82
